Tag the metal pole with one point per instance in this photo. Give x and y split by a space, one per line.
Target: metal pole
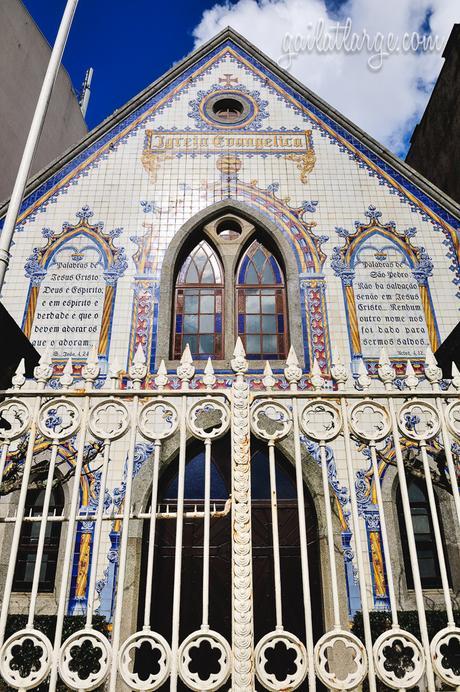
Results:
86 91
33 137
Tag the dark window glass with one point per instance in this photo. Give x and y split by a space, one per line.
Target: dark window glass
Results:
194 481
28 541
424 537
220 490
261 304
198 319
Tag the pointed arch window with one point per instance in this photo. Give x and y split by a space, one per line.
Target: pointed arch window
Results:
261 304
199 304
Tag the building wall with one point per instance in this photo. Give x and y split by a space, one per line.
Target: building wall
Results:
370 260
24 55
435 142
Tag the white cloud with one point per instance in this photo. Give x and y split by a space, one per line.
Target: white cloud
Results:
386 103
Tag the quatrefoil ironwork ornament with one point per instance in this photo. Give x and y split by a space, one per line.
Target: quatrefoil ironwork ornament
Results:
341 660
418 421
84 660
445 654
208 419
158 420
59 419
271 420
14 419
109 419
370 420
281 661
453 418
204 661
321 420
144 661
25 659
399 659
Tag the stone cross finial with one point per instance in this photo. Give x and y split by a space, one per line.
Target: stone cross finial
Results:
186 369
239 363
209 378
385 369
161 378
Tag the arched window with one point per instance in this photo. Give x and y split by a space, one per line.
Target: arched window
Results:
199 304
424 536
220 548
27 549
261 304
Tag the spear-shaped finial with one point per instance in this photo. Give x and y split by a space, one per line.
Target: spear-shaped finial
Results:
67 374
455 376
115 370
385 369
433 373
410 378
339 371
161 378
186 369
138 368
363 379
209 378
268 380
18 378
316 377
44 369
292 371
91 370
239 363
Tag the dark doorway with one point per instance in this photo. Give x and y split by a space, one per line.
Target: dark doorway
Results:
220 549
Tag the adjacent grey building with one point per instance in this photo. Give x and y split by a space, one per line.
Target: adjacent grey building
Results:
435 143
24 55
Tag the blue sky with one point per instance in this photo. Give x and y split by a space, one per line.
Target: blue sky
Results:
130 43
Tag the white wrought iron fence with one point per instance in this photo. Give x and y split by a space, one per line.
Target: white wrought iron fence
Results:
333 414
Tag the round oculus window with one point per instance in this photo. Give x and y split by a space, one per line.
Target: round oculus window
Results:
228 229
228 109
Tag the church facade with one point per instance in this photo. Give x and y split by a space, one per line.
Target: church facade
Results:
237 465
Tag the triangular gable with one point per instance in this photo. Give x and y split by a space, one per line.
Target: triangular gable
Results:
442 212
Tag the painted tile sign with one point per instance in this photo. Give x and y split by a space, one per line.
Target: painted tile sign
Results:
73 279
69 311
388 304
385 281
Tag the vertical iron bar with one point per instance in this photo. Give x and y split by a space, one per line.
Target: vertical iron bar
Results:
151 549
178 545
303 546
275 534
358 548
412 548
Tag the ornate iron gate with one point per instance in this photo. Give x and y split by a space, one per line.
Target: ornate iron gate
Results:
331 415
